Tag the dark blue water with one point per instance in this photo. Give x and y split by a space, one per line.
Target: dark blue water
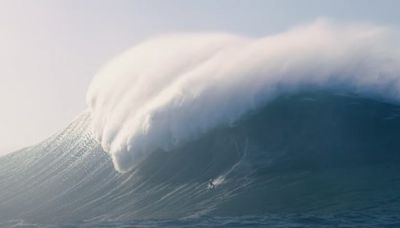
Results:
316 159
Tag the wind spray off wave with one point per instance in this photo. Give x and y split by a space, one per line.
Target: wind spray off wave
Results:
173 89
298 128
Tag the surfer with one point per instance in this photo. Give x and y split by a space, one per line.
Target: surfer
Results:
211 184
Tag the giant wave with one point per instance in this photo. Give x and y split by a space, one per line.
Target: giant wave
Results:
303 122
173 89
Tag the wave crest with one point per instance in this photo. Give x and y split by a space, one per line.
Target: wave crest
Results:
173 89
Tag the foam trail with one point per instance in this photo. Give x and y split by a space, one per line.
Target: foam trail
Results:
172 89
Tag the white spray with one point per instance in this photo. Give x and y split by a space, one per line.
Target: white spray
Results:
174 88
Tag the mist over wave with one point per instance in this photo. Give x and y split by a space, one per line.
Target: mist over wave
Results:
174 89
299 129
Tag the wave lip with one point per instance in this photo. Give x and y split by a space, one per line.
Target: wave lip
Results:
173 89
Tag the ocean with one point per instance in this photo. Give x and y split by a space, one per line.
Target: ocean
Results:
299 129
335 167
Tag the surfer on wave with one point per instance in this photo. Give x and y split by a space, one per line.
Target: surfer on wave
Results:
211 184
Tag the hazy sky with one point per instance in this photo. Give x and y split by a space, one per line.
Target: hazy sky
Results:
51 49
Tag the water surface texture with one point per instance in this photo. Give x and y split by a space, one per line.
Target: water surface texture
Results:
311 159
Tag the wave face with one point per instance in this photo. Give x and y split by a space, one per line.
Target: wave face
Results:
320 152
220 126
174 89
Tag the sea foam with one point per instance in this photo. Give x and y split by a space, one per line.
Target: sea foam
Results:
174 88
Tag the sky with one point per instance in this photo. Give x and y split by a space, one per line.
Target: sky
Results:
51 49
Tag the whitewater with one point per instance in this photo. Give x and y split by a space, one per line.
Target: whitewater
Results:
294 129
172 89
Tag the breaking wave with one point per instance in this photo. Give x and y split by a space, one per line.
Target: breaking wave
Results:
302 122
318 152
173 89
